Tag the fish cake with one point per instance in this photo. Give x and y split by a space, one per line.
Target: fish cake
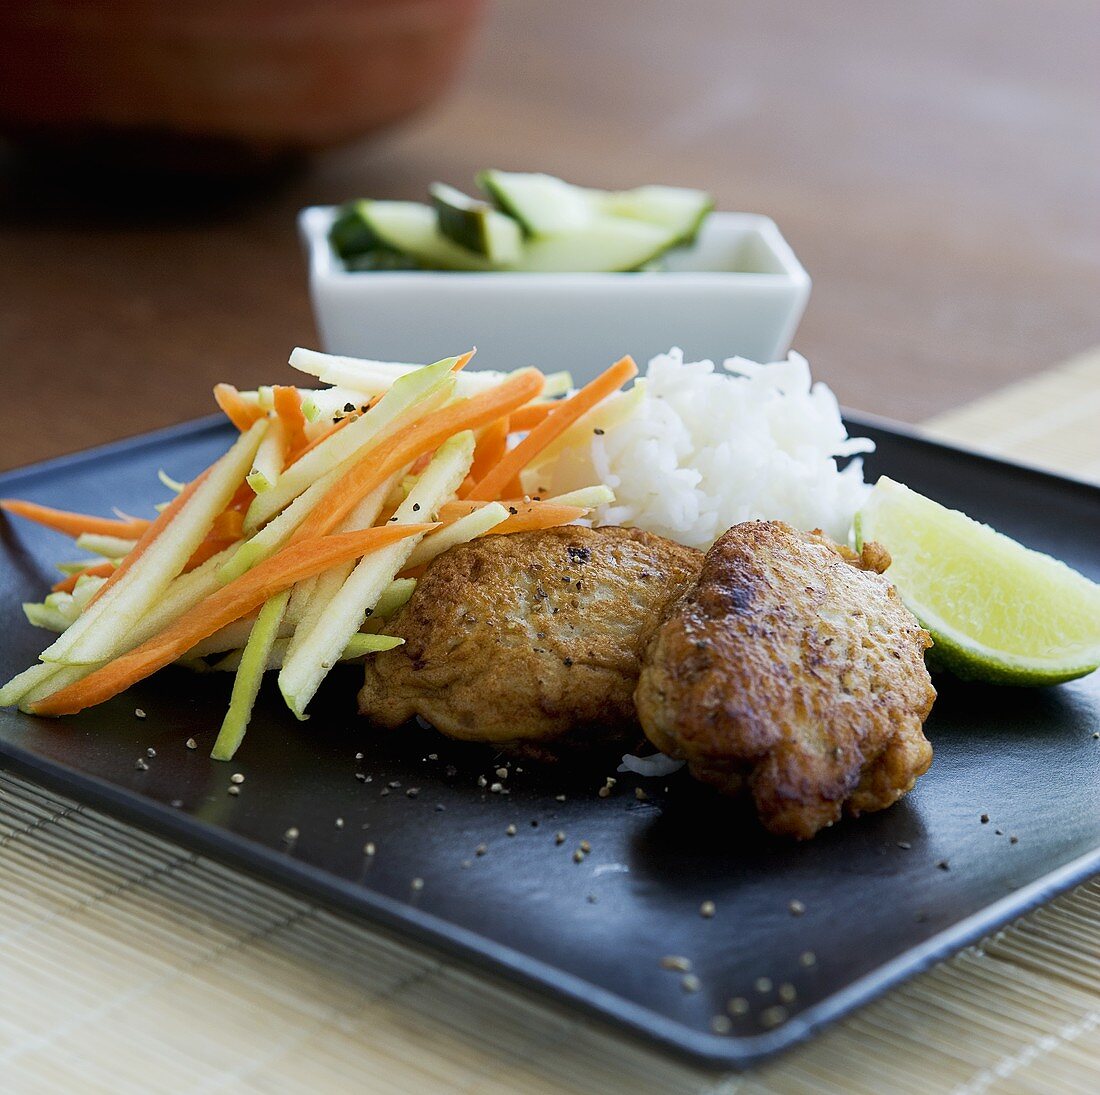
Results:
791 671
532 641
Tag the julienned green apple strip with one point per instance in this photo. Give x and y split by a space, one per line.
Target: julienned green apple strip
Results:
349 442
360 645
231 602
250 674
325 586
463 530
309 662
371 378
270 457
101 632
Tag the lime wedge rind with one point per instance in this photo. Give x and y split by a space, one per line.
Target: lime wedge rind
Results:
998 612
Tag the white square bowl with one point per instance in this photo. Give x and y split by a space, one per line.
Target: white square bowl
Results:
739 290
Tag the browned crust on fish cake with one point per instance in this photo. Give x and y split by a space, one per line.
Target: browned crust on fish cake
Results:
530 641
793 668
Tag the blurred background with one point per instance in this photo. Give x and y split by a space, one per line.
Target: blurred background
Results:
935 166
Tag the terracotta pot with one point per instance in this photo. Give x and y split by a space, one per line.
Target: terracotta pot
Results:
267 76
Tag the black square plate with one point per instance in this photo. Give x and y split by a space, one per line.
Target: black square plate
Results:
883 896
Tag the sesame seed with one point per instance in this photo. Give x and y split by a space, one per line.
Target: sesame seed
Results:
598 432
466 864
394 783
496 788
763 984
140 765
433 756
690 983
795 907
232 789
192 744
904 845
578 856
412 792
150 752
1014 840
585 847
707 909
738 1006
944 865
1096 735
559 837
138 713
510 831
481 849
773 1016
385 791
177 802
361 777
339 823
807 959
604 792
502 773
358 756
676 962
787 992
592 899
236 777
640 794
482 781
369 848
984 819
291 834
721 1024
418 884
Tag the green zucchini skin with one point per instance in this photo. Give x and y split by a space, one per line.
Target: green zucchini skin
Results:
534 224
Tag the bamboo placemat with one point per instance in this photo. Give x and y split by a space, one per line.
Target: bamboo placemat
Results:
130 965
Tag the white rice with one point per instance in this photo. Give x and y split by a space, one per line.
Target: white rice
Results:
707 449
653 766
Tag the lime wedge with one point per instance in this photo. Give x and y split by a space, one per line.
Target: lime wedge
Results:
997 611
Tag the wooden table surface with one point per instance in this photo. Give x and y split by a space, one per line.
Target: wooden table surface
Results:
935 166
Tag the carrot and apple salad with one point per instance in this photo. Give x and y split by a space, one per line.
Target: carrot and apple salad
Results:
291 550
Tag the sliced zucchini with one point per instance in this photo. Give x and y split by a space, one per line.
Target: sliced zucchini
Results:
542 204
412 229
604 244
476 225
350 235
680 210
377 259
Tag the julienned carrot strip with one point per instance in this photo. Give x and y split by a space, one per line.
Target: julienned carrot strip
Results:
527 418
164 519
420 463
75 524
553 425
393 453
288 406
242 499
239 411
490 450
206 550
463 361
99 570
451 511
228 525
538 515
298 454
240 597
